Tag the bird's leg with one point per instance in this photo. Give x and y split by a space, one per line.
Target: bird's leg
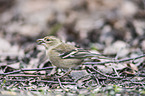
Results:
66 73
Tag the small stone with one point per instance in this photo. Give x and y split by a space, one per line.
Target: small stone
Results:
78 73
119 48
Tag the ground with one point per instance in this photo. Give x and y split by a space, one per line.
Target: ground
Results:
113 28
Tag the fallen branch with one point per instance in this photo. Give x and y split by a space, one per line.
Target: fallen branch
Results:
21 70
113 61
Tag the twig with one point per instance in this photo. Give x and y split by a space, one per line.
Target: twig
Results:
13 72
34 69
116 72
38 69
44 81
136 83
106 75
81 78
96 79
112 61
60 83
55 82
24 75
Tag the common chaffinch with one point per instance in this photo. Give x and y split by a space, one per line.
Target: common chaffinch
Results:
63 55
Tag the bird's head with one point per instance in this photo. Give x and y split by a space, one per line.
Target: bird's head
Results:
49 41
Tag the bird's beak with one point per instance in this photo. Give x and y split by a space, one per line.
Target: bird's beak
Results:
40 41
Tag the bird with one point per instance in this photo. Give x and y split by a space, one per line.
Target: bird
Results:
63 55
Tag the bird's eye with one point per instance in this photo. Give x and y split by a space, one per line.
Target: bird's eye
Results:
47 39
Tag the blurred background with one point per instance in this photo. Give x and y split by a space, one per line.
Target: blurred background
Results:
109 26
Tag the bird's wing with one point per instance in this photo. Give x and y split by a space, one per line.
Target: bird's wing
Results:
78 54
67 51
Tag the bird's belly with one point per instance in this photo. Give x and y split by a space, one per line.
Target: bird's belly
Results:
57 61
63 63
